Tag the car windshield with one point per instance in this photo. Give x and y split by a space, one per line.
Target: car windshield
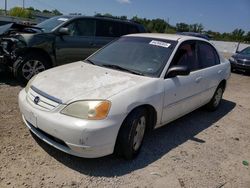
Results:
50 24
144 56
246 51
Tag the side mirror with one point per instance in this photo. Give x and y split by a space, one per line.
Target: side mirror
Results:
237 51
64 31
177 70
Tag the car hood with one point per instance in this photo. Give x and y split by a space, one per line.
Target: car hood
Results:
241 56
82 81
18 28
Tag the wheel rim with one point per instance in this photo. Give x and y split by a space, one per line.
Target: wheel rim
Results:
31 68
139 133
217 97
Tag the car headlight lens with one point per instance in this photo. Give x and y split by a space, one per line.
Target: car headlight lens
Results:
92 110
29 84
232 59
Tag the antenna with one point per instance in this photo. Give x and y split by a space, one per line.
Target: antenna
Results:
5 7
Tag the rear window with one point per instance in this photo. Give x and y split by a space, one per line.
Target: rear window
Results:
207 55
107 28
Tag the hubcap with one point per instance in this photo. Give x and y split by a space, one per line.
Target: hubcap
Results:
218 97
31 68
139 133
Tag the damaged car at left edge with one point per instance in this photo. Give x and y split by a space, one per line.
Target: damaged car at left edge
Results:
29 50
14 43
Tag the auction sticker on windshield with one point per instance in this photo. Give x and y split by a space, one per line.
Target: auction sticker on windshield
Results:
160 43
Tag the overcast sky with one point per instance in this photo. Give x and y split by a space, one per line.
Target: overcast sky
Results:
217 15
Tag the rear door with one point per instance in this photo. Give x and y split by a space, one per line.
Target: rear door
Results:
79 44
106 31
211 67
183 93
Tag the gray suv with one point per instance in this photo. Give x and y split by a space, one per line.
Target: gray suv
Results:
28 50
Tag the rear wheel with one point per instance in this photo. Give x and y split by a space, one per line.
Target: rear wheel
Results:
31 65
131 134
216 100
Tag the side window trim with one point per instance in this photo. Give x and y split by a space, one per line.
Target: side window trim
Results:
215 53
75 21
195 51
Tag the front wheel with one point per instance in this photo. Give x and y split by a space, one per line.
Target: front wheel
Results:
131 134
31 65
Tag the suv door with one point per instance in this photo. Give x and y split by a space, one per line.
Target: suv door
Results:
182 93
78 44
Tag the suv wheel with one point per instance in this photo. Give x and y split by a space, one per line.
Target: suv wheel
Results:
31 65
131 134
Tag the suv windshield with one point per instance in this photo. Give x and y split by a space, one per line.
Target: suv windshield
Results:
50 24
146 56
246 51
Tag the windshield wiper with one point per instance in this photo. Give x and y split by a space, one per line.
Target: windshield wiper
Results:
90 61
117 67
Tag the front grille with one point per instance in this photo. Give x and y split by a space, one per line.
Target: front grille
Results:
57 140
243 62
43 102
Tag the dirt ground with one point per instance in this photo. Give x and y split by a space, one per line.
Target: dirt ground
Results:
202 149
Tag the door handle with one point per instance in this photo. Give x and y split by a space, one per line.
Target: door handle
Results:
197 80
220 71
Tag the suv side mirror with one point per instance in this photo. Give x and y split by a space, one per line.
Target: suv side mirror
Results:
177 70
64 31
237 51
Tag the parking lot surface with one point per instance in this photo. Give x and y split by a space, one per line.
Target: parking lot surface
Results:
202 149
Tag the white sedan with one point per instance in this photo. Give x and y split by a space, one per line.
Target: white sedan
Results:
137 83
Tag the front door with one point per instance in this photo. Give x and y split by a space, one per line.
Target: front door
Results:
182 93
78 44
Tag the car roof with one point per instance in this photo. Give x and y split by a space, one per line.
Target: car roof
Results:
163 36
200 35
71 17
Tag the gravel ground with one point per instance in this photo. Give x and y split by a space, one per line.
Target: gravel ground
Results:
202 149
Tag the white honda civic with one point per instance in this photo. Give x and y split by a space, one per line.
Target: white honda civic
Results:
106 103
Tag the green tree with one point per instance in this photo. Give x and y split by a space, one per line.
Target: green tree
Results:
159 25
56 12
30 8
238 35
247 37
182 27
46 11
20 12
197 28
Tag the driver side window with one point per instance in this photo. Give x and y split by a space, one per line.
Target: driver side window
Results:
187 55
82 27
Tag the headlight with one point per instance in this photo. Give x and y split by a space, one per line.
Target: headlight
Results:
232 59
4 44
29 84
92 110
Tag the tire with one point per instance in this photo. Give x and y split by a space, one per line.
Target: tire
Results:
131 134
214 103
31 65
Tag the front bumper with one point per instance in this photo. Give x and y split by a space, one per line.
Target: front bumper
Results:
3 66
244 67
83 138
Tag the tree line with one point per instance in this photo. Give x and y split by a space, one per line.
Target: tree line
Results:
29 12
152 25
162 26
